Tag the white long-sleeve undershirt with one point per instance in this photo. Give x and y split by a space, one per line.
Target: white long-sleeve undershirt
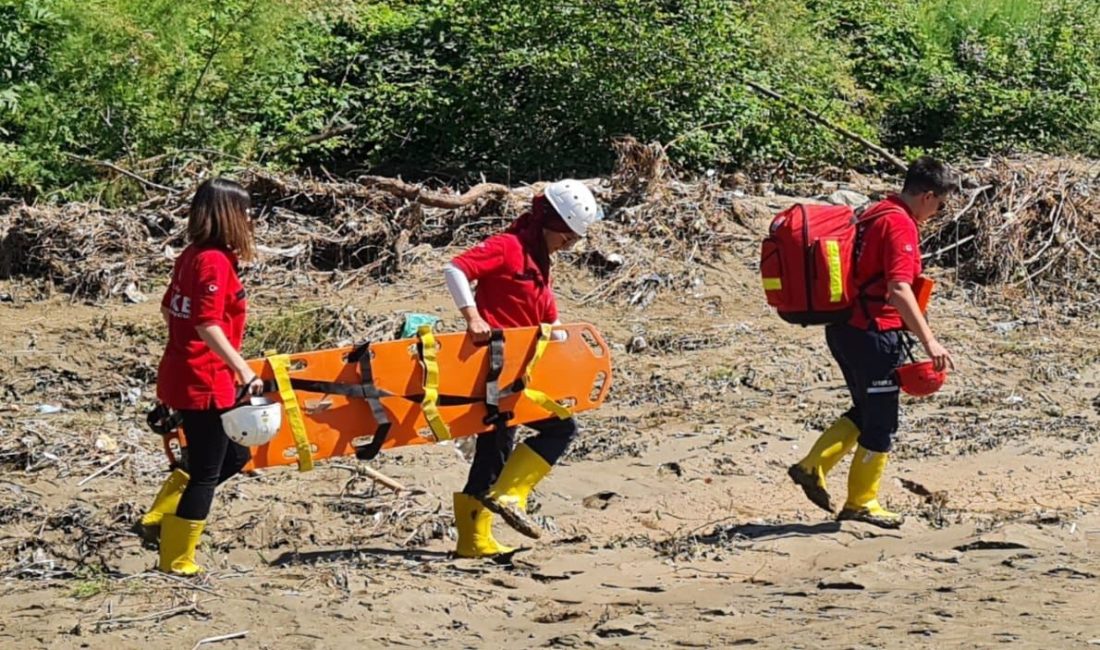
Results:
459 286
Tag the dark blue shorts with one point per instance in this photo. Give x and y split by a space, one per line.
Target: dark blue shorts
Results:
868 359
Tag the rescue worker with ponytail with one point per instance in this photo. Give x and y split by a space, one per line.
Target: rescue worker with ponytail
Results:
514 289
202 371
869 347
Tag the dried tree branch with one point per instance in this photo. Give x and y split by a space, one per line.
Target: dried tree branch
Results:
125 172
894 161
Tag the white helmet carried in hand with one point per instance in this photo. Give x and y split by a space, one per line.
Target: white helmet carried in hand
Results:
254 423
575 204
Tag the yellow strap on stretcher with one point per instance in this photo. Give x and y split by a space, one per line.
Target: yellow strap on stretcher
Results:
429 361
537 396
280 365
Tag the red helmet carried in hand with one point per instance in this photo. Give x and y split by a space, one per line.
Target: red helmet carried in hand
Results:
920 379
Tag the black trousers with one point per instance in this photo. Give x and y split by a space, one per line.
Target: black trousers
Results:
212 459
494 448
868 359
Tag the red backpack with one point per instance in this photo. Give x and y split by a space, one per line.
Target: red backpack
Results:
806 263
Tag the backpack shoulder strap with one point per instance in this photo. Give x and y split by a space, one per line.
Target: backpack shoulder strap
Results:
869 212
865 214
862 217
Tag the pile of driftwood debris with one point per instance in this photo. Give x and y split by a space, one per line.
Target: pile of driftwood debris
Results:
1027 221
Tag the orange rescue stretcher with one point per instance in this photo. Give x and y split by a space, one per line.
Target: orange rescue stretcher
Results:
434 387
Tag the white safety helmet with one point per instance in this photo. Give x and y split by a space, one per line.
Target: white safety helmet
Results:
575 204
254 423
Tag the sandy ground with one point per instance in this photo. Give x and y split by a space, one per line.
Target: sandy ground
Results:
672 521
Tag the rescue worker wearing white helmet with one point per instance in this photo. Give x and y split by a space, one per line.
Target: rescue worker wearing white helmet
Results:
514 289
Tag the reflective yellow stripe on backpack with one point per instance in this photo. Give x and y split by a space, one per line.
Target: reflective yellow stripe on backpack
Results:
836 277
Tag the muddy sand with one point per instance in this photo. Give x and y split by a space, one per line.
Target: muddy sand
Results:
672 522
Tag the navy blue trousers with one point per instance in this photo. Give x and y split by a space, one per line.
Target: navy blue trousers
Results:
868 359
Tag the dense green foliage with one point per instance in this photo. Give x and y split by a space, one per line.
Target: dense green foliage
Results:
977 76
519 90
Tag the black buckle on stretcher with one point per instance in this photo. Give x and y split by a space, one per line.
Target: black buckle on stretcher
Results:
498 419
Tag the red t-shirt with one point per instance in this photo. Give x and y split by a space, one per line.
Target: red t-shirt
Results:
204 290
889 252
510 289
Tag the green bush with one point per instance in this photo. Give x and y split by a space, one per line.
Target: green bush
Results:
128 79
969 77
524 90
513 90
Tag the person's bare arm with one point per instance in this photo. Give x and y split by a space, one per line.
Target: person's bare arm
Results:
900 295
476 325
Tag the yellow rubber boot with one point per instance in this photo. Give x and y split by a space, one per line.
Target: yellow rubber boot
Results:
475 529
833 445
863 482
165 503
508 496
178 539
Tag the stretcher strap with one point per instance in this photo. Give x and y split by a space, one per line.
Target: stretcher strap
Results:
370 393
429 362
496 366
493 415
537 396
365 391
280 366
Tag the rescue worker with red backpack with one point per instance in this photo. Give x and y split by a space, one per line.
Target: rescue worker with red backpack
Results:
876 302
